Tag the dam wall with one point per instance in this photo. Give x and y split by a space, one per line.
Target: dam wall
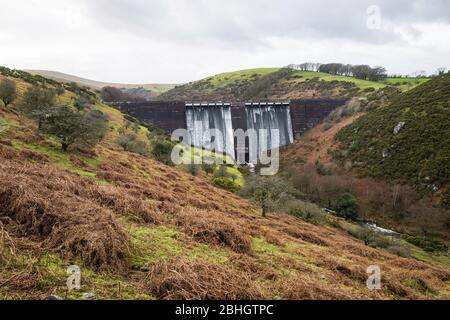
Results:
169 116
307 113
290 120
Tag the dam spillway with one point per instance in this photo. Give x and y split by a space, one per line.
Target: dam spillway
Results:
268 126
292 119
202 120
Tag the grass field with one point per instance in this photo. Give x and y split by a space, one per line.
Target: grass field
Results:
406 83
362 84
225 79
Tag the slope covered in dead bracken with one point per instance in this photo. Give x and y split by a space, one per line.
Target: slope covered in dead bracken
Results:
140 229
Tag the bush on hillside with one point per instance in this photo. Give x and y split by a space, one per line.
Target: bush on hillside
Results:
83 101
347 205
426 243
307 211
208 168
193 169
132 143
72 127
162 150
37 101
226 184
271 193
8 91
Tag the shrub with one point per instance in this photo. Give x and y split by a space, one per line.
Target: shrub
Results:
269 192
71 127
7 91
83 101
347 204
375 240
322 169
427 244
420 153
307 211
399 251
193 169
130 142
208 168
222 172
446 198
244 170
37 101
226 184
162 150
59 91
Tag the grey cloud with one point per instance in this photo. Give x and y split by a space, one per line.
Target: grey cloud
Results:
254 21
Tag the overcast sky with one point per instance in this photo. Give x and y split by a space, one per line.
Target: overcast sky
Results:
174 41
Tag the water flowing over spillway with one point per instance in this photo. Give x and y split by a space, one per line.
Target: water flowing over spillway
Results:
273 125
201 121
268 125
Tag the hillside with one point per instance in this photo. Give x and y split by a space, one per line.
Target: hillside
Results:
153 89
270 83
140 229
407 141
393 156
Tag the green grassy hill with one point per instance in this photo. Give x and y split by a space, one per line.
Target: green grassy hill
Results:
270 83
409 140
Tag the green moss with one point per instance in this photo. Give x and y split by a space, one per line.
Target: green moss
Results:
62 159
205 252
153 244
274 256
418 285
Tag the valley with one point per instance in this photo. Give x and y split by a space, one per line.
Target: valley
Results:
141 228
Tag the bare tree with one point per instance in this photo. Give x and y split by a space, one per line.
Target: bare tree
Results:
441 71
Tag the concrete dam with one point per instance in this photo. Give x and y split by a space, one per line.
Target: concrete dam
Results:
279 122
